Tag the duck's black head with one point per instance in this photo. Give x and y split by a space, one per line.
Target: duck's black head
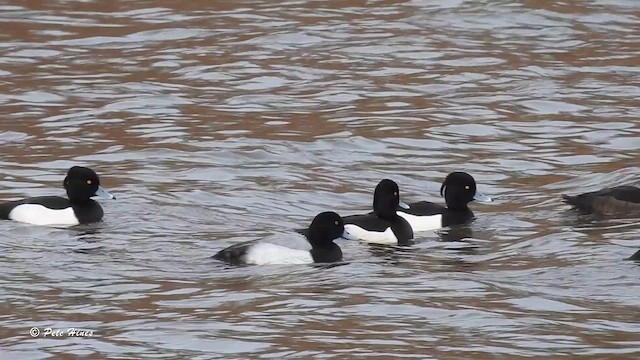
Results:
386 199
325 228
458 189
82 183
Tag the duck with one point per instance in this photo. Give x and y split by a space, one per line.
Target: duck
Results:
383 225
81 184
607 201
325 228
458 189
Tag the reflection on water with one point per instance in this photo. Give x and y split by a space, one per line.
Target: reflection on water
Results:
218 122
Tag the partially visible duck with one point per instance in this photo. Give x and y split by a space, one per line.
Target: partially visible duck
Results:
458 189
608 201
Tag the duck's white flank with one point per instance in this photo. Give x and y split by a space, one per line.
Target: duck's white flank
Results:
378 237
422 223
40 215
262 253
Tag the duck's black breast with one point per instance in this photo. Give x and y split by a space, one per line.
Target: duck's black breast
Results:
88 211
329 254
618 199
457 217
402 230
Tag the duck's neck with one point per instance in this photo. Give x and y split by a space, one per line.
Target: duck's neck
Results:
81 201
385 212
457 206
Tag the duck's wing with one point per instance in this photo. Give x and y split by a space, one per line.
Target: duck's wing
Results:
235 253
50 202
625 193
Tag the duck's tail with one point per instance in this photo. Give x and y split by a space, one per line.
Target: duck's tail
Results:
568 199
5 210
582 202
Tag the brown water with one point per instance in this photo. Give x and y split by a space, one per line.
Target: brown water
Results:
223 121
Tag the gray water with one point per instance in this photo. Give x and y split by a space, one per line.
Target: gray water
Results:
219 122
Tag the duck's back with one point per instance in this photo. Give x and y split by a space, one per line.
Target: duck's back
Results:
424 208
51 202
620 199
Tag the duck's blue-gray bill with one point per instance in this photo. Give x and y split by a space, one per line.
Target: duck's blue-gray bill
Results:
101 192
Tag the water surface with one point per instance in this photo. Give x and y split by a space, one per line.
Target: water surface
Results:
220 122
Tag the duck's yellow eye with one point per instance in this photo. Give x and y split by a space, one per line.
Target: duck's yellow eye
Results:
336 222
466 187
88 182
